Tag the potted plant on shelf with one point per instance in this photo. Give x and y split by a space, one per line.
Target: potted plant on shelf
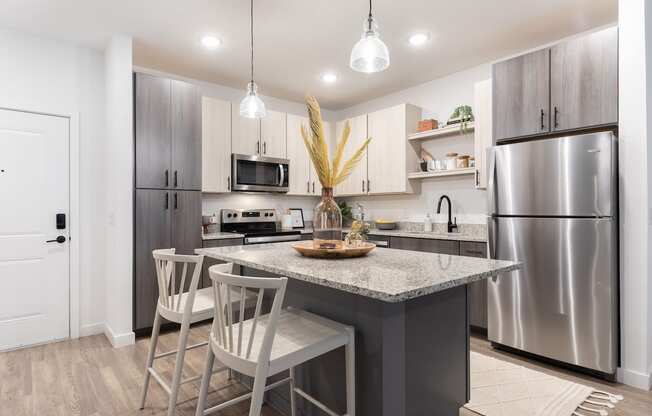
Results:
327 218
462 115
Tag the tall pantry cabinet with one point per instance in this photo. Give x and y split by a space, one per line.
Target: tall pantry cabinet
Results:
167 211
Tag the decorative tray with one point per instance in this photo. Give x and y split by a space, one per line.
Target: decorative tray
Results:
306 249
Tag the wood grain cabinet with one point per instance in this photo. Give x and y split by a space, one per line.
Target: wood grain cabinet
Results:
425 244
216 145
168 131
521 95
477 290
570 86
584 81
208 262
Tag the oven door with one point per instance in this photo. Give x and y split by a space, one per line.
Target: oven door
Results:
259 174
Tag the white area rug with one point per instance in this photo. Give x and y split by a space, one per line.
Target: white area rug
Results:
500 388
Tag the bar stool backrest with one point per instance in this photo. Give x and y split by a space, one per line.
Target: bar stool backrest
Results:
171 284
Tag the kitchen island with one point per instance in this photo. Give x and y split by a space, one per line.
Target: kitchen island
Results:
410 311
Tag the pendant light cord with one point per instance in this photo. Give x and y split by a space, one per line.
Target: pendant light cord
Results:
252 40
370 18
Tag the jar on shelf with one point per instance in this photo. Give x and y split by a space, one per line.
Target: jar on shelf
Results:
451 161
463 161
471 162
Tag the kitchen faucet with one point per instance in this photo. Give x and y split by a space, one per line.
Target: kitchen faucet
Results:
451 226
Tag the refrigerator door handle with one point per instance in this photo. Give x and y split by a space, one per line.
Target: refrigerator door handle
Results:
491 181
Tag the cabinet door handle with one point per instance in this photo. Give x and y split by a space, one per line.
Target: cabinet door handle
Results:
176 201
368 186
258 147
556 117
543 126
307 187
167 178
363 186
477 178
313 187
228 183
264 148
166 202
175 179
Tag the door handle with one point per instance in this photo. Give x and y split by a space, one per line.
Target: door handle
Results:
282 175
313 187
556 117
542 125
264 148
308 187
363 186
176 201
258 147
167 178
368 186
175 179
166 202
228 183
60 239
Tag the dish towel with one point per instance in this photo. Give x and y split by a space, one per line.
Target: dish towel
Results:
500 388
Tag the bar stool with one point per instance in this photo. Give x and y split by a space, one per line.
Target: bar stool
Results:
182 307
266 345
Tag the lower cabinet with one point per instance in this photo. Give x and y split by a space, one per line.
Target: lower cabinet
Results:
208 262
477 290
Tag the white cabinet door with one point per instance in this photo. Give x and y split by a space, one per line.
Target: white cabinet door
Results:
300 165
216 145
273 135
356 183
245 134
388 155
483 131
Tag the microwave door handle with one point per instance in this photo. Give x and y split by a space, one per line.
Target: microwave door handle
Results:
280 168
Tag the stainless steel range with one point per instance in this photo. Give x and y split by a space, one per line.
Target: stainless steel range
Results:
258 226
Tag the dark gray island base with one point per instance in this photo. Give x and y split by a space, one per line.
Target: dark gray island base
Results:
412 339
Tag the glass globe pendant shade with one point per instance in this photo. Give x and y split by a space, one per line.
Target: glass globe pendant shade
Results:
251 105
370 54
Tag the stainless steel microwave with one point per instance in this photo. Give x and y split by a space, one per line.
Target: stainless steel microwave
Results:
259 174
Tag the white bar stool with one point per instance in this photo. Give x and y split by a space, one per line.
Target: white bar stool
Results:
183 308
266 345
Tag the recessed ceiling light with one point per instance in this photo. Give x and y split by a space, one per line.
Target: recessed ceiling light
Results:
328 77
418 39
211 42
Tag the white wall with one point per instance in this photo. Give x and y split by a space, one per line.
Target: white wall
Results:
48 76
438 99
212 203
635 49
119 154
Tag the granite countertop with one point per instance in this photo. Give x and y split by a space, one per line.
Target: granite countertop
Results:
220 236
461 236
384 274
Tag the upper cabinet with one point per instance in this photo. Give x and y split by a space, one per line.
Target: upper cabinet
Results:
584 81
573 85
216 145
521 94
168 133
262 137
300 164
186 136
356 183
245 134
273 135
388 157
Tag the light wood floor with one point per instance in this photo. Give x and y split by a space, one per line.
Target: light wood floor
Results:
88 377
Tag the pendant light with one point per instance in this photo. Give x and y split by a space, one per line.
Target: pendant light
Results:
370 54
251 105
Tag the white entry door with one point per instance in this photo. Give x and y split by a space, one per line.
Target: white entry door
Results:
34 188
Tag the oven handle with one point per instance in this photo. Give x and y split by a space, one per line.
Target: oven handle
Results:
280 168
380 243
272 239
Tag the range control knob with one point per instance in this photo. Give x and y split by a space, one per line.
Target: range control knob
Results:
228 215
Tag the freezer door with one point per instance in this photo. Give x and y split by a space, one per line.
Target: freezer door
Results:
562 303
564 176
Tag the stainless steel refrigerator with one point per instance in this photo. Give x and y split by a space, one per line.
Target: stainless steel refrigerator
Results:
553 205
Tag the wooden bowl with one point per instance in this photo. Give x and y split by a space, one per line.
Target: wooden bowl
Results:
305 248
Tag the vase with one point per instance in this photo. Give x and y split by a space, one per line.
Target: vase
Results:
327 222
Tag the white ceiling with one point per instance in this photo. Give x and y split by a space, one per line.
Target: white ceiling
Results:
297 40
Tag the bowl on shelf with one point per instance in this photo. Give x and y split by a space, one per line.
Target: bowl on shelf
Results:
385 224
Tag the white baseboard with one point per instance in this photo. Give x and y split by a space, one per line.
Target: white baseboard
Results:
635 378
91 329
119 340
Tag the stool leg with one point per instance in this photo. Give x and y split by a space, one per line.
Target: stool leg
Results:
205 381
150 355
178 368
293 394
258 390
349 352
